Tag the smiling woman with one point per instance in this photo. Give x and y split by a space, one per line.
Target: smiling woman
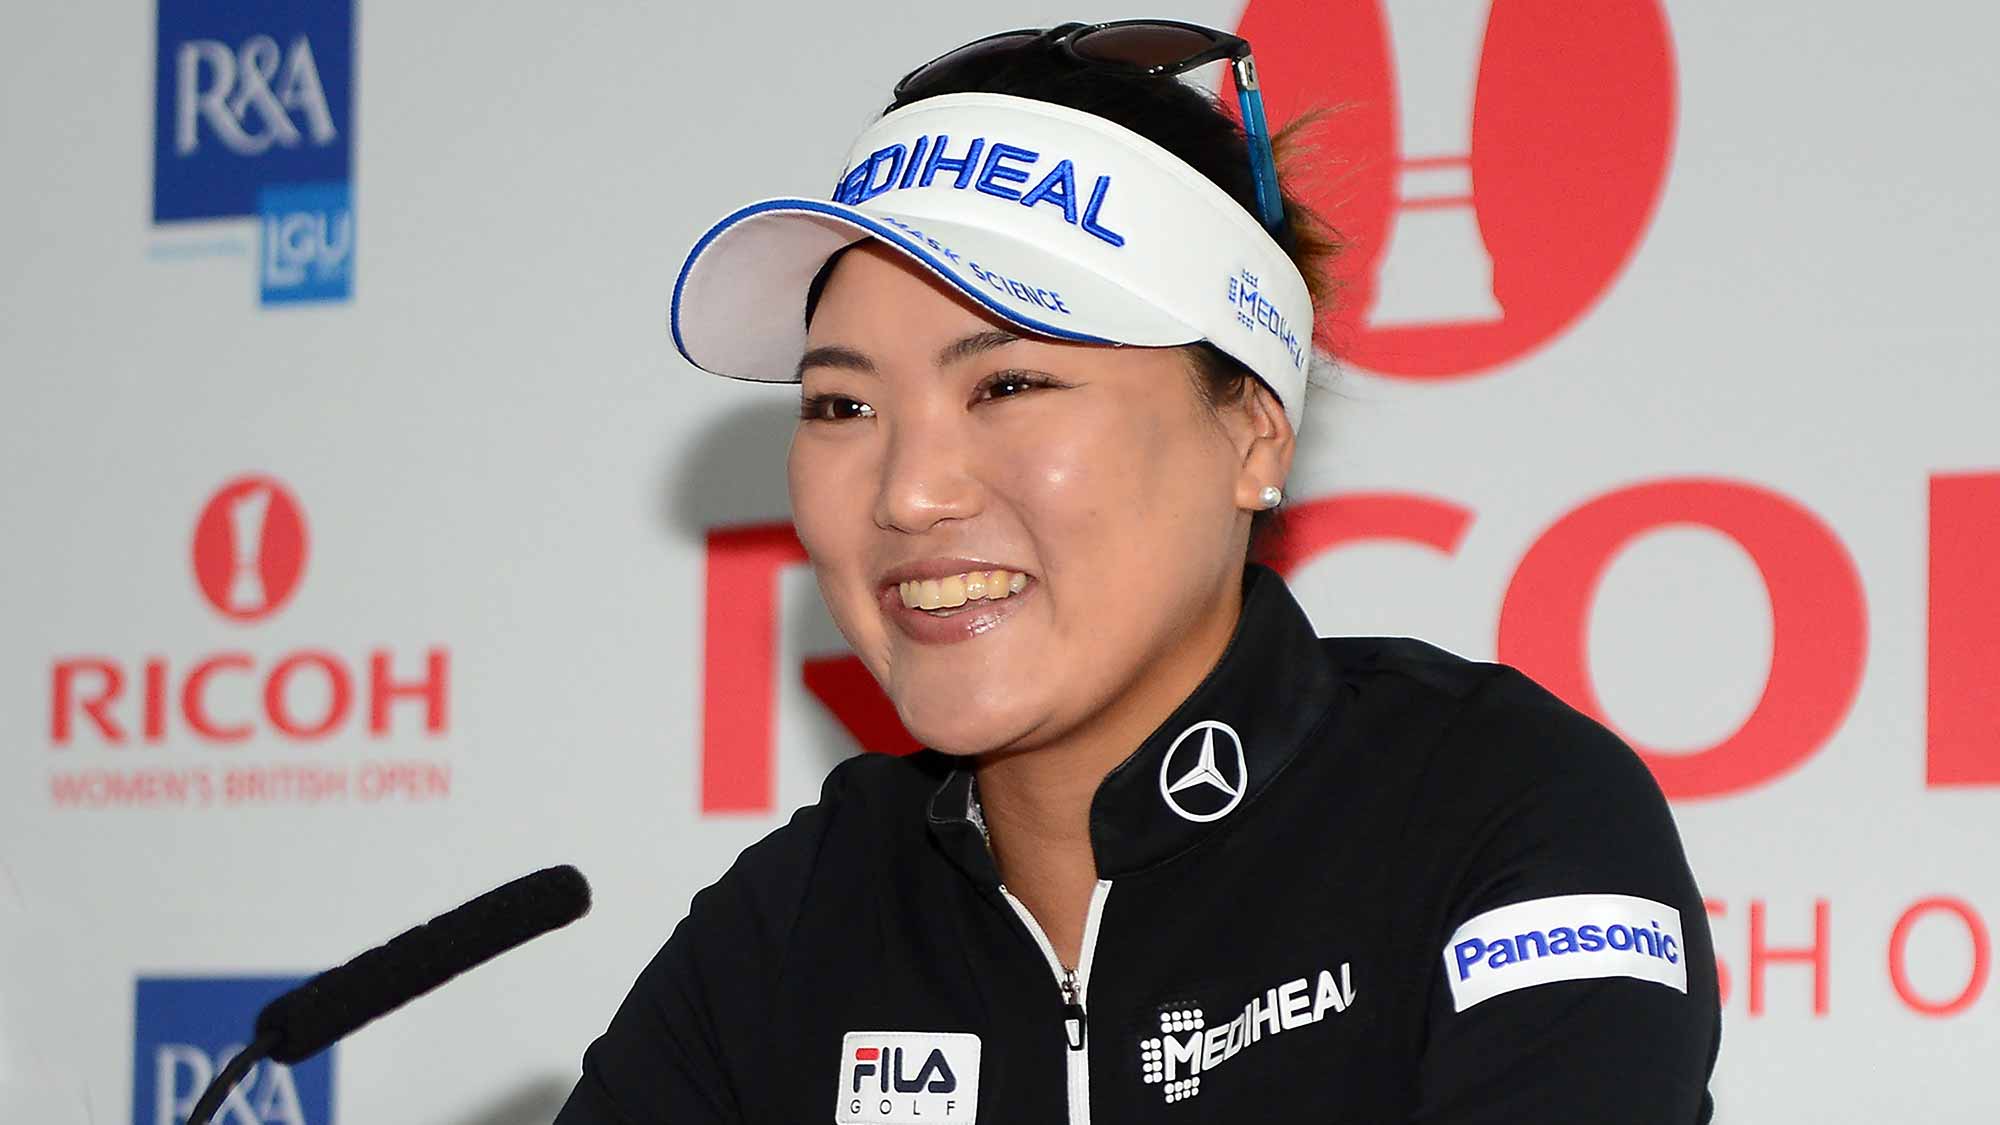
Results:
937 445
1046 337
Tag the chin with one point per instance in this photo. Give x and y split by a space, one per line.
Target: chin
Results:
964 728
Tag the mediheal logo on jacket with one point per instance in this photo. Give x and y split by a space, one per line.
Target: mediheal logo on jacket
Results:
1569 937
185 1029
908 1078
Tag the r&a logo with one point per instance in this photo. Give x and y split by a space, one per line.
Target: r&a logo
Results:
230 93
187 1028
247 96
253 112
908 1078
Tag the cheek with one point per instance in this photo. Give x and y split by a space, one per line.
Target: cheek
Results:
830 510
1110 491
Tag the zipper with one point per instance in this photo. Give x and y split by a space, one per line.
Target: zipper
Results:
1073 984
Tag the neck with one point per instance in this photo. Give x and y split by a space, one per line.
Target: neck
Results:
1037 800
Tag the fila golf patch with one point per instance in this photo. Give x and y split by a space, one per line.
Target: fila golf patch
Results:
908 1078
1569 937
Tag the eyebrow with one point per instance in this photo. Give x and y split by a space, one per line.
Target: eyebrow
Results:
965 347
833 355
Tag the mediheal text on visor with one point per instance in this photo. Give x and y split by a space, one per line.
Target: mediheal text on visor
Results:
898 166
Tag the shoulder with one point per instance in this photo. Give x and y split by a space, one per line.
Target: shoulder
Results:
1513 794
1541 891
864 800
1480 727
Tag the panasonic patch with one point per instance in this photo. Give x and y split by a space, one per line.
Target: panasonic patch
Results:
1569 937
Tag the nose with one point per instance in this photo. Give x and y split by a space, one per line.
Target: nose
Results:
927 477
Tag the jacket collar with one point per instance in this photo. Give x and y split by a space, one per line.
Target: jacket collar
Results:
1204 768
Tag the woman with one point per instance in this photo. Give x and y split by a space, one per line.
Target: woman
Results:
1171 854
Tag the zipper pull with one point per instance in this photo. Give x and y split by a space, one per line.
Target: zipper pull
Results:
1074 1021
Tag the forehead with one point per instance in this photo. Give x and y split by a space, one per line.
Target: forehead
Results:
882 306
873 288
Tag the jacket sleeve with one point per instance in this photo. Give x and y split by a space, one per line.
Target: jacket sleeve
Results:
682 1047
1574 975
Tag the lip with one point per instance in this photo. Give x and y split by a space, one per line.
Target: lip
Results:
968 621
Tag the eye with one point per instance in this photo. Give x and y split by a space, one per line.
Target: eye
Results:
833 408
1009 384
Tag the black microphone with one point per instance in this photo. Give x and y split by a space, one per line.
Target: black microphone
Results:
309 1018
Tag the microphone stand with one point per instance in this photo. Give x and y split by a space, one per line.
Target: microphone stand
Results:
231 1073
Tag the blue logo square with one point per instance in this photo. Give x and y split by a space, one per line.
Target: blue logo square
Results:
249 95
186 1028
306 250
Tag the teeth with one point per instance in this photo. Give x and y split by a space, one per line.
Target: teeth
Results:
958 589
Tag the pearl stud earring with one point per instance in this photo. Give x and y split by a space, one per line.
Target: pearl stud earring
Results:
1271 497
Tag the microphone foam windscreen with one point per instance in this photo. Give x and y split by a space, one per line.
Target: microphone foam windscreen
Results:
312 1016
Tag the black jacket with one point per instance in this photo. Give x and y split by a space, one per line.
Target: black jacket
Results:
1425 890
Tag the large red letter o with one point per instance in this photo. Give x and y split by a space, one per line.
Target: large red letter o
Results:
1819 630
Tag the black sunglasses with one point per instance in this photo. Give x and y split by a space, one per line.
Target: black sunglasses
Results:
1152 47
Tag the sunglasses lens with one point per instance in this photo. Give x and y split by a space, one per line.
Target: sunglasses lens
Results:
1141 44
979 48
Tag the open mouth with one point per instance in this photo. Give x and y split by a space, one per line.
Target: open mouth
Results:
941 604
954 593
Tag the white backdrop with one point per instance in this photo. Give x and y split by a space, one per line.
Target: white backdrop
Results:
1745 277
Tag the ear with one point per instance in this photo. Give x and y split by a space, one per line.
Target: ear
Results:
1264 442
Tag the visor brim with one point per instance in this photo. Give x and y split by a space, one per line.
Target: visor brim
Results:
739 303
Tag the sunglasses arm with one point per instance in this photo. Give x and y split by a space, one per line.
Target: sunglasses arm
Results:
1263 170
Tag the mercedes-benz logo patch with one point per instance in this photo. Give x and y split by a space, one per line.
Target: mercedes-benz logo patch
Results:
1195 784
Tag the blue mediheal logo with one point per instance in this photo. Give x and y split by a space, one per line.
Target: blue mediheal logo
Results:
306 248
247 96
186 1028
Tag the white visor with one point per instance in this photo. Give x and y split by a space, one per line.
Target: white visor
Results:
1058 221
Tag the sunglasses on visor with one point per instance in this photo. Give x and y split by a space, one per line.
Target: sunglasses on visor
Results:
1153 47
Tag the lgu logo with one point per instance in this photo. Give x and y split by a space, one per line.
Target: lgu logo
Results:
187 1029
308 243
253 107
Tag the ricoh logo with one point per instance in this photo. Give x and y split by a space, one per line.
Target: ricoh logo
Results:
249 554
187 1028
246 97
908 1078
253 118
1819 624
1188 1046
